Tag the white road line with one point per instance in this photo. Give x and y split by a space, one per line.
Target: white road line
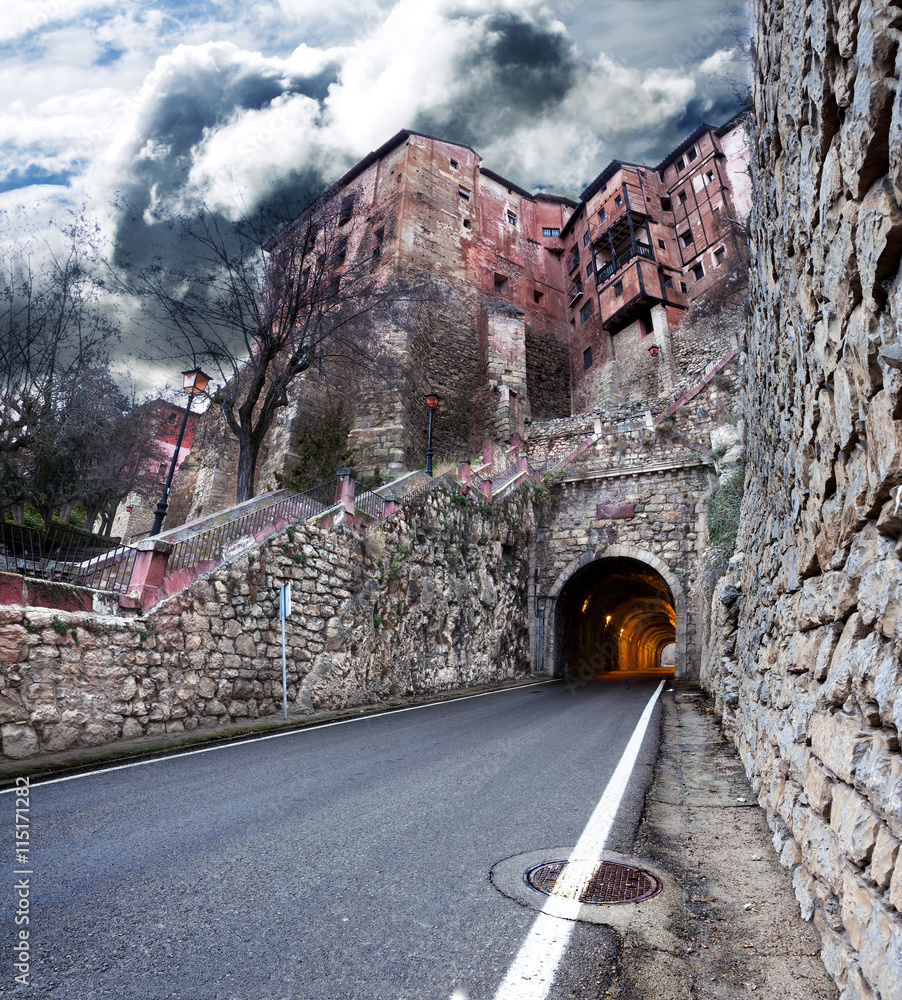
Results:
531 975
274 736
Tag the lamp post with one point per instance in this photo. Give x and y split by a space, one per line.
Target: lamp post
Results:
432 401
653 350
195 382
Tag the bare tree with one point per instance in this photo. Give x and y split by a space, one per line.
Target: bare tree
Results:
52 326
260 311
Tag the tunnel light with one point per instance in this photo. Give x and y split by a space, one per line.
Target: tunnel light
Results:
607 620
585 605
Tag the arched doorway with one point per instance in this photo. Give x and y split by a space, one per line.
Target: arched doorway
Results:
616 613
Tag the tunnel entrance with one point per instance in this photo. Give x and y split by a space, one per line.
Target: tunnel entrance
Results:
614 614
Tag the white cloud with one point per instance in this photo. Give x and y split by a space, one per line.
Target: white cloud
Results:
21 17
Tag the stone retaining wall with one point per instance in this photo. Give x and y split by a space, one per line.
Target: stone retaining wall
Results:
806 627
431 600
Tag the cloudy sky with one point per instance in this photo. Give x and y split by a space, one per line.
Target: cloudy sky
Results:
168 100
160 103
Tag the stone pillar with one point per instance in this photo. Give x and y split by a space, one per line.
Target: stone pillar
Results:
390 506
464 475
347 484
487 490
662 340
146 580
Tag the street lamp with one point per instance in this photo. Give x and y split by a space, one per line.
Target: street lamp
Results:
432 401
195 382
653 350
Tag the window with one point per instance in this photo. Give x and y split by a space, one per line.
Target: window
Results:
511 218
662 244
341 250
618 201
666 205
464 193
720 255
686 238
589 269
587 358
538 296
709 177
347 209
618 288
551 231
378 240
467 223
683 286
586 238
681 197
501 284
680 164
698 272
454 164
666 281
573 260
601 216
585 312
692 154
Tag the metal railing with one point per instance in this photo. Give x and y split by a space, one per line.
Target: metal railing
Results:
634 250
65 556
574 291
212 543
367 501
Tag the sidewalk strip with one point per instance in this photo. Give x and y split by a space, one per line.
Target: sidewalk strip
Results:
532 974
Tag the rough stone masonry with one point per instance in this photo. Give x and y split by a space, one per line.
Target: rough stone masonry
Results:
807 627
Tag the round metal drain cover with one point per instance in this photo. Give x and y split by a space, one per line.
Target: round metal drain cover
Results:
611 883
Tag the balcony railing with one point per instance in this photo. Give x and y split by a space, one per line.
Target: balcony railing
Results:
574 292
572 261
634 250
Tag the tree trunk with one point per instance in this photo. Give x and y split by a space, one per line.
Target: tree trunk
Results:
247 469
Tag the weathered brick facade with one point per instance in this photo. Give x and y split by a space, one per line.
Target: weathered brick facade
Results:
520 287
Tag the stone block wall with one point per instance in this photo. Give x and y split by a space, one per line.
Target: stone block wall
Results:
806 627
431 600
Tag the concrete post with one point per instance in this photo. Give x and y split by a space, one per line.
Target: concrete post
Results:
487 490
390 506
464 471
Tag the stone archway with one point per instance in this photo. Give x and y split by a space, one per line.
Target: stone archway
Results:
616 609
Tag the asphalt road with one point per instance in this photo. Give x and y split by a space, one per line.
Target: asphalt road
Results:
348 862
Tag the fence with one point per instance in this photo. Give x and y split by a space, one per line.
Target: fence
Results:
212 543
65 556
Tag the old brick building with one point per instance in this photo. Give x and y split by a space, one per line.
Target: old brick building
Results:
538 302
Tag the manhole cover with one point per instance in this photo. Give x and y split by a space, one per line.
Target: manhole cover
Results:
611 884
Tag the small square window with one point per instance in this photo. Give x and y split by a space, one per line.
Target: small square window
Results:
587 358
347 209
666 205
680 164
683 286
601 216
454 164
618 288
692 154
588 268
662 244
686 238
538 296
464 193
618 201
667 281
720 255
681 197
698 272
378 240
585 312
511 218
467 223
586 238
709 177
501 284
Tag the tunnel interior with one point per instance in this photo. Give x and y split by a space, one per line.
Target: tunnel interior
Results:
614 615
